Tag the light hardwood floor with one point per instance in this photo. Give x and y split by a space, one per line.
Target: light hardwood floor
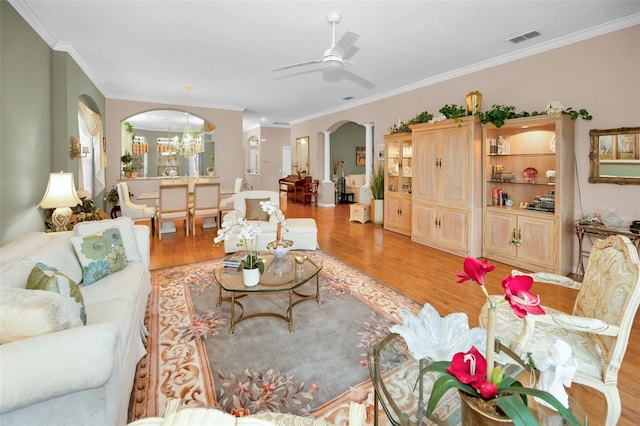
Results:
424 274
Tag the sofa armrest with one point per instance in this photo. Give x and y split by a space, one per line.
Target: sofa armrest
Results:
142 234
56 364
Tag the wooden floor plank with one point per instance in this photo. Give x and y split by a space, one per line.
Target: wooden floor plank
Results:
422 273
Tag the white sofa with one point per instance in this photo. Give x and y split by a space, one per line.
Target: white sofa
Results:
81 375
269 229
355 184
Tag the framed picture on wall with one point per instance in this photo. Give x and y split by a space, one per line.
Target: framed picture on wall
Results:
626 148
380 152
360 156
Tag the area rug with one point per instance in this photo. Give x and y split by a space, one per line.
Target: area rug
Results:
315 371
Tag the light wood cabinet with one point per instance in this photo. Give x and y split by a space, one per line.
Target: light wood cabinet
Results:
528 193
530 240
444 227
446 199
398 166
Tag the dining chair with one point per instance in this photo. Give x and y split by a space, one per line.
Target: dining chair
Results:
135 211
226 204
598 328
206 201
172 205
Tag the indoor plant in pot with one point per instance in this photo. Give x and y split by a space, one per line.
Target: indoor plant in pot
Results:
112 197
480 383
251 264
377 191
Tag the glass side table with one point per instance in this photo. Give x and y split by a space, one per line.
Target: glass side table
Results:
394 374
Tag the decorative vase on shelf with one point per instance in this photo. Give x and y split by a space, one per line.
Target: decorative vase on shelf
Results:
472 412
251 277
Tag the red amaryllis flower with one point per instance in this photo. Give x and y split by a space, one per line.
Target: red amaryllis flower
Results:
475 270
488 390
522 301
469 368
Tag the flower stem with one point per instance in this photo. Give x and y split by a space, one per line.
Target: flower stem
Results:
491 340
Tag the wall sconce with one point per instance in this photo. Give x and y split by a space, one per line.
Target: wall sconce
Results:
74 148
85 151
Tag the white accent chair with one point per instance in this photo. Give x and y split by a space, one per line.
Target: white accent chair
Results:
135 211
269 227
206 198
599 326
173 203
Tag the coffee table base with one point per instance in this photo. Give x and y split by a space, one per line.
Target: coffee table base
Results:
288 317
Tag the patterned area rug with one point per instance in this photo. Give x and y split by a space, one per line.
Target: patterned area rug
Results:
316 371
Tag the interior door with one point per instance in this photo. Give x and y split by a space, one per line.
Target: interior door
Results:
286 161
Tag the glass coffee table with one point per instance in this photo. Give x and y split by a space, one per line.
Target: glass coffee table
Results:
394 374
283 275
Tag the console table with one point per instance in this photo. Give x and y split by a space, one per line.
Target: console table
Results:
600 231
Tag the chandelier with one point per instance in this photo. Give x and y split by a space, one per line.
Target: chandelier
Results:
168 146
189 145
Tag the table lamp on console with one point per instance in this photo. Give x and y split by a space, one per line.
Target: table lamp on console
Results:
60 195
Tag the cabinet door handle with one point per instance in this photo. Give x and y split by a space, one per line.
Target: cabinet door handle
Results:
519 236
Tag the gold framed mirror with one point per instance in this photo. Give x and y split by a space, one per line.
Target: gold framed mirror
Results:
301 164
615 156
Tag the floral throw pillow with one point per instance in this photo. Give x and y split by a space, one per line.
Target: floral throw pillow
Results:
100 254
43 277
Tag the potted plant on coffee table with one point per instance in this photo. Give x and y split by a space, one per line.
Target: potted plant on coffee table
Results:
251 264
489 395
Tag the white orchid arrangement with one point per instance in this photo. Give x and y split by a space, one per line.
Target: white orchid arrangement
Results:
247 237
272 209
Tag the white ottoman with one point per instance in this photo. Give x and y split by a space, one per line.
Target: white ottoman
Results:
303 233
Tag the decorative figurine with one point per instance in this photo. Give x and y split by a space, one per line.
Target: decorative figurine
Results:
557 370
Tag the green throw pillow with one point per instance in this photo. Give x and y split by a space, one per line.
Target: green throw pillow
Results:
100 254
43 277
253 209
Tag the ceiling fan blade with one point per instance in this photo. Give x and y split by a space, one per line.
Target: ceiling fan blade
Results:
298 72
345 43
361 73
301 64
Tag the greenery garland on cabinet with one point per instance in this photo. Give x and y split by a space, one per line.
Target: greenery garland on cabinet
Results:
496 115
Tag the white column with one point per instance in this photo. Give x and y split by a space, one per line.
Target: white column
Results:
327 156
368 136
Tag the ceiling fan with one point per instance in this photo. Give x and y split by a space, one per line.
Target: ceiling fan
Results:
334 59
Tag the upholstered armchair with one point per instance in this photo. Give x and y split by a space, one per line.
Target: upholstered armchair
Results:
598 328
135 211
246 205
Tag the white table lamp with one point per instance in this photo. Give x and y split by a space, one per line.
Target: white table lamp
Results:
60 195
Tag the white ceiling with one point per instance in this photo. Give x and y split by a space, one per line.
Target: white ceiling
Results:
226 50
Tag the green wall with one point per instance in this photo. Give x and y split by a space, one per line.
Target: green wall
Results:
343 147
38 115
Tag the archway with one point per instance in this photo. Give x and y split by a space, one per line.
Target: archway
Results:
153 138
